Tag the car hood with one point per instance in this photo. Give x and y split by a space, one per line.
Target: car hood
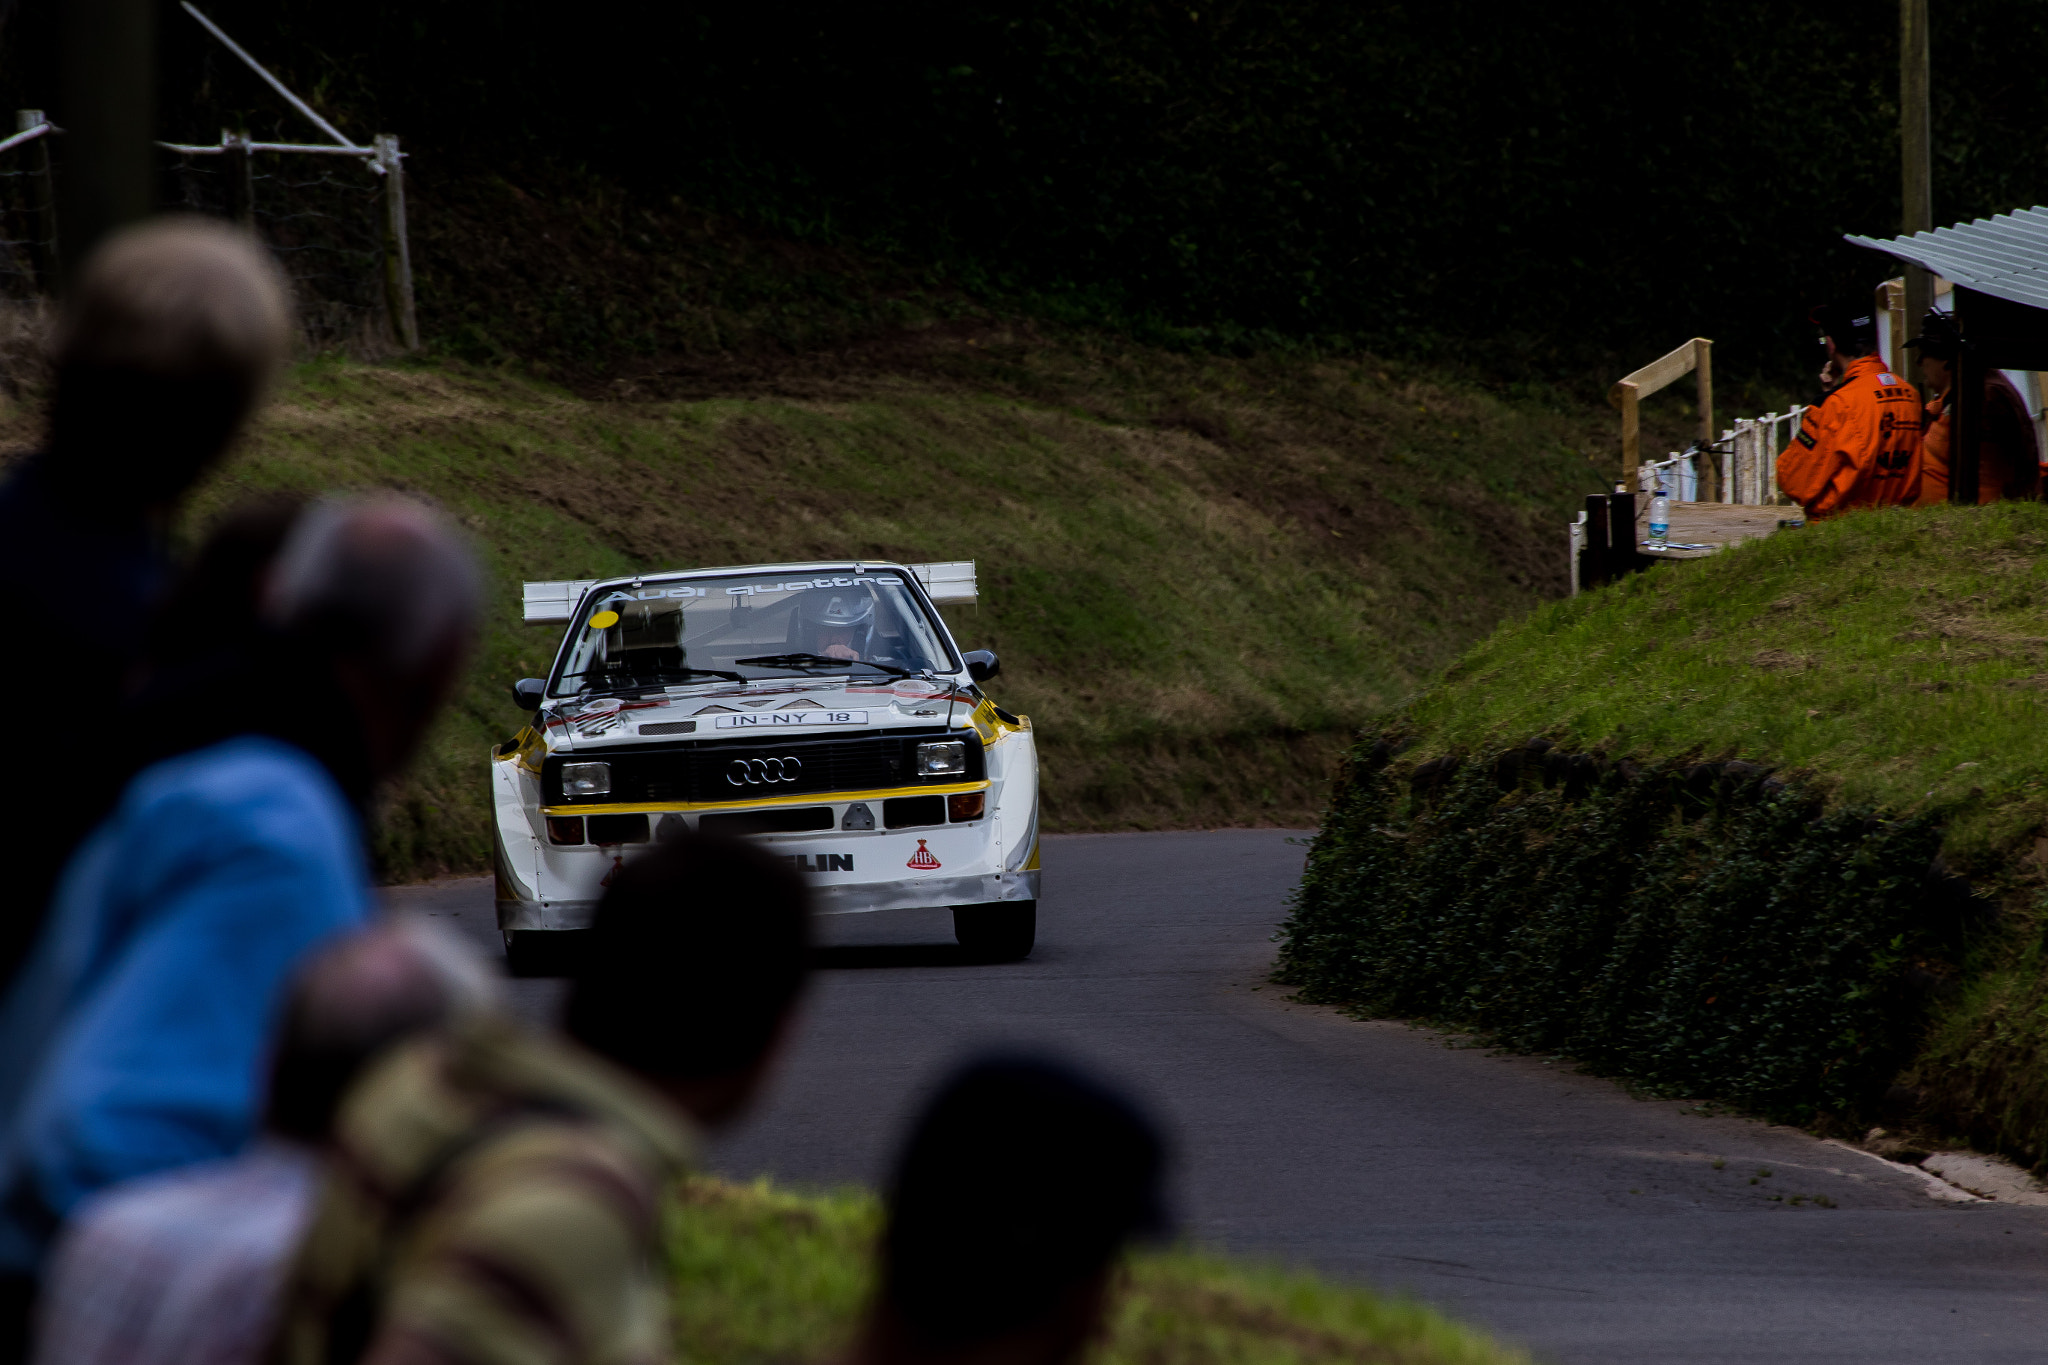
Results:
788 708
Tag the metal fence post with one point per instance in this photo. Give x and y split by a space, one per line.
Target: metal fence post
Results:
45 261
405 329
241 177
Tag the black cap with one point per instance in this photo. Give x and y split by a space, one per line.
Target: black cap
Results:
1939 336
1852 331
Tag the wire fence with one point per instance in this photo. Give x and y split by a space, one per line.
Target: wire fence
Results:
324 226
333 218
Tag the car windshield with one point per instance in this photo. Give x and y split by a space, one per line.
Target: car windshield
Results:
683 630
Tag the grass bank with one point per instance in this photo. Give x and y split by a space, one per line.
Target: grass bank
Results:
1716 836
1202 574
768 1276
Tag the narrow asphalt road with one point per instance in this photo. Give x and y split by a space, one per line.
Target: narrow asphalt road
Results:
1547 1205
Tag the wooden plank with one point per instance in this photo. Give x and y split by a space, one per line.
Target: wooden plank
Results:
1703 367
1659 372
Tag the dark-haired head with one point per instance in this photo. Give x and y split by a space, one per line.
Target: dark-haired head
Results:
692 968
1015 1196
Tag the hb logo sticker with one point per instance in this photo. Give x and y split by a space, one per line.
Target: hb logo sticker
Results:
922 860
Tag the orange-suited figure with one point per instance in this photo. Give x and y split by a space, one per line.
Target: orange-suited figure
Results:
1859 446
2008 453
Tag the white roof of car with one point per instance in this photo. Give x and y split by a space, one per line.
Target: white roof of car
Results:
951 583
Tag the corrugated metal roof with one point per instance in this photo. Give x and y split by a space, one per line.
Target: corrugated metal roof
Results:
2005 256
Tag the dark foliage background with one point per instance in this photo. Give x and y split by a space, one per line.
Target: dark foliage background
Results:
1566 183
1697 928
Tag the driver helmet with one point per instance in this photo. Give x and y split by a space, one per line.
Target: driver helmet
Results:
838 614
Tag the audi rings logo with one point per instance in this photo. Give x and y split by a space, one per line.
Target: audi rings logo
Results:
761 772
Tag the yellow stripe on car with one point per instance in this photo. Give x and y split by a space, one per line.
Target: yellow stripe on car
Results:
756 803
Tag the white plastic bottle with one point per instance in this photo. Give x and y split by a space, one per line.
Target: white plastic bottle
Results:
1660 519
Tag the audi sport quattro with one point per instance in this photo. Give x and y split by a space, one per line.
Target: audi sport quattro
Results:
823 709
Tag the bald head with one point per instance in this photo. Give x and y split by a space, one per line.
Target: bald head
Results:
170 336
380 594
382 578
352 1000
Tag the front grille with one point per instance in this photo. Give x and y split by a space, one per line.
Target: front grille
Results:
706 772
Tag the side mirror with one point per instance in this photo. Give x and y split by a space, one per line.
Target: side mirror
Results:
527 693
982 664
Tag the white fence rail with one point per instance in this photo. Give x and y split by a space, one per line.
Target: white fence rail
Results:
1745 460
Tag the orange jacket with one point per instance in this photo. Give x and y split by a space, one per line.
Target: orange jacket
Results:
1859 447
2008 455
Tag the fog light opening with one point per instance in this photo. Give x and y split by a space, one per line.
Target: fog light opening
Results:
966 806
565 829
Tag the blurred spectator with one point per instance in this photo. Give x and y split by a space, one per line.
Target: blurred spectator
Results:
1860 445
1015 1197
166 345
2008 454
184 1267
498 1196
130 1039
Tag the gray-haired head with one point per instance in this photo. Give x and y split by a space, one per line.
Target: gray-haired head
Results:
167 341
380 577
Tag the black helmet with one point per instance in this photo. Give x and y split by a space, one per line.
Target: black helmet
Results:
1939 337
851 609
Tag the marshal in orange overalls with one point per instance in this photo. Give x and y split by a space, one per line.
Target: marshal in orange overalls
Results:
1860 447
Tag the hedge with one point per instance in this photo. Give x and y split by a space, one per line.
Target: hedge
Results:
1702 929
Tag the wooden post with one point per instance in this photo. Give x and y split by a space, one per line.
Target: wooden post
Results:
1703 368
1705 467
1966 409
398 301
241 178
44 257
1916 148
1631 431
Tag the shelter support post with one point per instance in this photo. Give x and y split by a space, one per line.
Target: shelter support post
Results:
1916 148
1968 418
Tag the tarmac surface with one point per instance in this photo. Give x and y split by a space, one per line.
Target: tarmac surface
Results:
1548 1206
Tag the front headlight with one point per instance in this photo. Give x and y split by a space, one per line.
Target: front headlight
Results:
586 779
947 758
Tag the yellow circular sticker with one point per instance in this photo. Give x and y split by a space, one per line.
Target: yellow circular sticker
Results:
604 620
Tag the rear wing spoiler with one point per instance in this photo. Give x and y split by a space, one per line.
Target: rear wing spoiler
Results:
949 584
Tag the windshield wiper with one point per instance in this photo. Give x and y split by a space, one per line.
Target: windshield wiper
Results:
661 677
801 661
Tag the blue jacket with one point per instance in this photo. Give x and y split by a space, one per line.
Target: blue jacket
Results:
135 1036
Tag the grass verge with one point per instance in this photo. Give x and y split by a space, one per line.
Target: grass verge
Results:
765 1276
1202 573
1887 662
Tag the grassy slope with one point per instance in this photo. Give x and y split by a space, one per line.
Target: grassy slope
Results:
1201 574
764 1275
1897 659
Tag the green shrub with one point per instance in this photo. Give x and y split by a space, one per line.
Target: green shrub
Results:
1700 929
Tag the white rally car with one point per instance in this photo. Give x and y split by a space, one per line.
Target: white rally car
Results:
823 709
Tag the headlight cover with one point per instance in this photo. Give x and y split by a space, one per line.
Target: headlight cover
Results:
945 758
586 779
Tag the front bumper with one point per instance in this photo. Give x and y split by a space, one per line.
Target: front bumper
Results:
850 871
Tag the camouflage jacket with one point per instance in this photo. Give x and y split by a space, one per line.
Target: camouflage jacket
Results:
495 1198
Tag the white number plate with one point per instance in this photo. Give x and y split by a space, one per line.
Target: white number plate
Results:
787 720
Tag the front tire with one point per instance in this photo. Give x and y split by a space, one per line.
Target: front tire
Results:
1001 931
